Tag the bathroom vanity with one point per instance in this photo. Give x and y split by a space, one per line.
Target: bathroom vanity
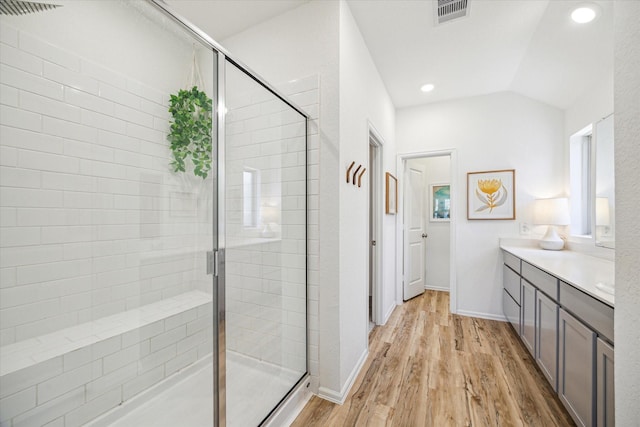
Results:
561 304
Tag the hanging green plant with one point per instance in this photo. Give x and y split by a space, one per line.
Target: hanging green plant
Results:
190 134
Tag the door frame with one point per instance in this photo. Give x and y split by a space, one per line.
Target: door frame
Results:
400 226
375 139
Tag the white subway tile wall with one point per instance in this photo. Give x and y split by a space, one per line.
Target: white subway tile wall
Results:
103 288
87 183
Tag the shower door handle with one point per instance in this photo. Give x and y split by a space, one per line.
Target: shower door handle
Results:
212 263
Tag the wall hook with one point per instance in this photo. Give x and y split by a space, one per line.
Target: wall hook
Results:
349 170
360 177
356 173
359 172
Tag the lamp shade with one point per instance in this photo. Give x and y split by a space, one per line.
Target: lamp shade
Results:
551 211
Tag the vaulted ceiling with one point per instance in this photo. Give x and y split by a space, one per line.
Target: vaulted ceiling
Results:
531 47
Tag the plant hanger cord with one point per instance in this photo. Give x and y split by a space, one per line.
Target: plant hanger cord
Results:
194 77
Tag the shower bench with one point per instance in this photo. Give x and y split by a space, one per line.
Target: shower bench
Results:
75 374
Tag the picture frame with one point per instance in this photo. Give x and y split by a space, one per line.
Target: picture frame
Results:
440 202
391 194
491 195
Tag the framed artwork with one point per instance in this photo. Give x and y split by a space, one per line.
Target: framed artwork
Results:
439 203
391 195
491 194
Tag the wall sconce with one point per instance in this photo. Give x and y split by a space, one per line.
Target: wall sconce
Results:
551 212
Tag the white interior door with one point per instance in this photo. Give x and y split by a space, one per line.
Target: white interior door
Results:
415 231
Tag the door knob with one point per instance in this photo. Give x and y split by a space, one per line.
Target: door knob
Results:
425 235
373 243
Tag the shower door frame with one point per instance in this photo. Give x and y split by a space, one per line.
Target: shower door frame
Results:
217 266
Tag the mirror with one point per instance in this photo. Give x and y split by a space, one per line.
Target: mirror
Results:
605 205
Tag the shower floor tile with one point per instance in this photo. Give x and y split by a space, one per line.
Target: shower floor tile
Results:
189 402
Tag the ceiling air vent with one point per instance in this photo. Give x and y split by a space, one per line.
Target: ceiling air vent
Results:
17 7
448 10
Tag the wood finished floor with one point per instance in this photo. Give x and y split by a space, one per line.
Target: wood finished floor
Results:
427 367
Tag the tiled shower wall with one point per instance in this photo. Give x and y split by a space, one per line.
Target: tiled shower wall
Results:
93 222
266 284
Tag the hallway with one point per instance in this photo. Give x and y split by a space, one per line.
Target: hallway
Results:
427 367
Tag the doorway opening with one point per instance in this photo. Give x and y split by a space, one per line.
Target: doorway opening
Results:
426 227
375 235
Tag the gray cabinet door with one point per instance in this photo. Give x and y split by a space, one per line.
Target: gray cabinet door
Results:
528 311
547 337
511 310
604 393
576 385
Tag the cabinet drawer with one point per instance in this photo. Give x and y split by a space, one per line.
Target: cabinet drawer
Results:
541 280
512 261
591 311
511 310
511 282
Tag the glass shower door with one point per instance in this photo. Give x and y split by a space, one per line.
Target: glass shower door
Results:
106 307
264 209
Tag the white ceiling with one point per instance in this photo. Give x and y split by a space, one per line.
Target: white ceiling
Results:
223 18
528 46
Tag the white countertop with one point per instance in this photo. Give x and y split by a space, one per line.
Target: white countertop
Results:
579 270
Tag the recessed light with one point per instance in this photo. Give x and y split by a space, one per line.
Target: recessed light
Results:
584 14
427 88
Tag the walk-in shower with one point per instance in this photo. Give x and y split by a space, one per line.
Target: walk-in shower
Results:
153 224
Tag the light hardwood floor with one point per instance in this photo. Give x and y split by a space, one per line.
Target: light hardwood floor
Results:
427 367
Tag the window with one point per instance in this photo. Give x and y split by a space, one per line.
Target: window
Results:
580 157
250 197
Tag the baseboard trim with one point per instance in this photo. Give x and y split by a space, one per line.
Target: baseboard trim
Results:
498 317
437 288
388 314
341 396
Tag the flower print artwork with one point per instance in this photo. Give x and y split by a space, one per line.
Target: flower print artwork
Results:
491 195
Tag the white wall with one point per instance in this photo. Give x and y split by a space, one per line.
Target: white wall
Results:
437 262
322 38
590 107
491 132
363 99
594 104
627 129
